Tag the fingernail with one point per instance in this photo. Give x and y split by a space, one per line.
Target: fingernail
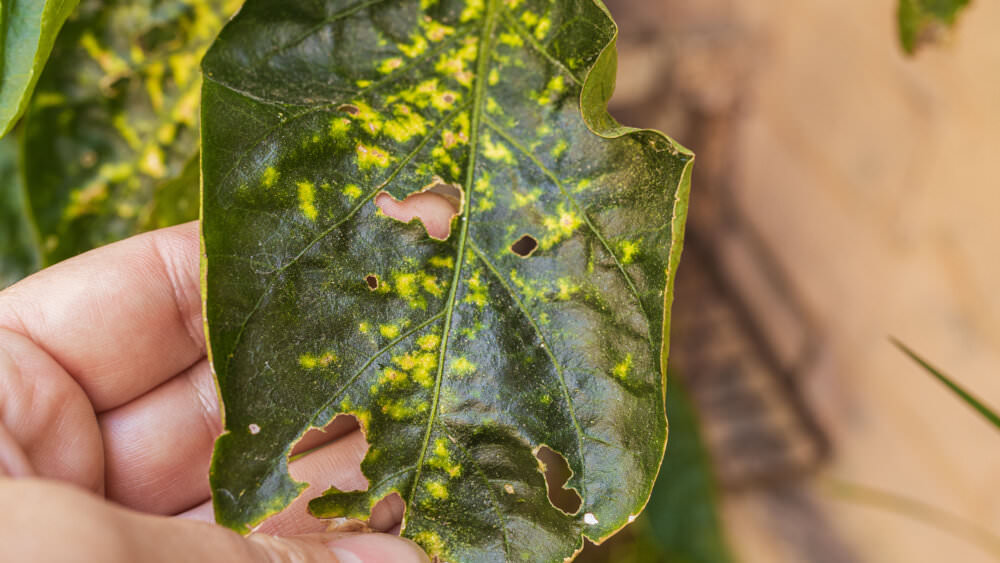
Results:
372 548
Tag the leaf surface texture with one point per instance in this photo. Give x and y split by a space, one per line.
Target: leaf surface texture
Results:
466 357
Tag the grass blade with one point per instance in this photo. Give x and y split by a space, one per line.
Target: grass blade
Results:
966 396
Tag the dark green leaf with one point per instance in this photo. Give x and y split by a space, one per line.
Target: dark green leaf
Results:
28 28
115 117
923 21
18 242
969 398
467 357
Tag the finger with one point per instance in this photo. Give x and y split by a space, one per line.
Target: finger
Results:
55 522
157 448
336 464
120 319
47 426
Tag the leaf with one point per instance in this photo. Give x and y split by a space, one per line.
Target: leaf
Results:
115 119
683 511
924 21
466 357
17 238
28 27
960 391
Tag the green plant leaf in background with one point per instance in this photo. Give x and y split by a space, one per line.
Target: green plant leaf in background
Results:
115 119
681 523
924 21
460 357
683 512
20 254
29 28
989 414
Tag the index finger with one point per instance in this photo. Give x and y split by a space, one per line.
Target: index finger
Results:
121 319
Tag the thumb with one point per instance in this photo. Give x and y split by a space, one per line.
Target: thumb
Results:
339 548
88 528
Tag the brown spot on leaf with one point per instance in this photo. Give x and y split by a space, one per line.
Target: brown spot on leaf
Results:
524 246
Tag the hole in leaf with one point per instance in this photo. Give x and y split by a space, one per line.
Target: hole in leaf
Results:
524 246
387 514
341 425
349 108
436 205
372 281
557 473
323 457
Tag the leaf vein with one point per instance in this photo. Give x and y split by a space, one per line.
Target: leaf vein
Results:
576 205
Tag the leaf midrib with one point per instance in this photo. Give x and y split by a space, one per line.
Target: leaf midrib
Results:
478 99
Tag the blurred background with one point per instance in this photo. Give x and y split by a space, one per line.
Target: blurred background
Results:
843 192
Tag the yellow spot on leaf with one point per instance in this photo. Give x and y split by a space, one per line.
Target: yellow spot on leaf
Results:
389 331
437 490
442 459
270 177
560 227
496 151
629 250
369 156
621 370
511 39
339 126
390 65
416 48
544 24
364 327
307 199
477 291
566 289
462 366
473 10
442 262
428 341
352 191
431 542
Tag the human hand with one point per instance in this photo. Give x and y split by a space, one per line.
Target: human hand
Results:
108 414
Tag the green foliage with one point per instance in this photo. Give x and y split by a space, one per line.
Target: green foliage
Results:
20 254
922 21
116 114
28 28
466 356
960 391
682 512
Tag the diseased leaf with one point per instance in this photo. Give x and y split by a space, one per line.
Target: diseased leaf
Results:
115 118
28 28
924 21
459 356
17 238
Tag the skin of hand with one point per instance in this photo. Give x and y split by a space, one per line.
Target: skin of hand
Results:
108 415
